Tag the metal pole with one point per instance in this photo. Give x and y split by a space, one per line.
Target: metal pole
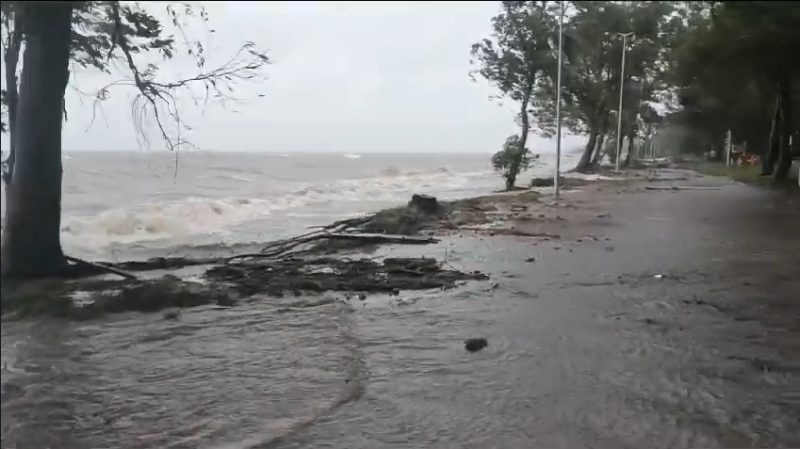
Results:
619 111
728 140
556 184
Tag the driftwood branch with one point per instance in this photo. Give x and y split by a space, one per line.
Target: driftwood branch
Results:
515 232
282 247
681 188
102 268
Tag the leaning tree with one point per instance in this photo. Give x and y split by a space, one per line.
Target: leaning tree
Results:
52 37
519 51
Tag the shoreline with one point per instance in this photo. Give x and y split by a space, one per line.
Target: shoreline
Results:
530 214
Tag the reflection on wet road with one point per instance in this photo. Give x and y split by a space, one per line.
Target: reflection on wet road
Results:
685 335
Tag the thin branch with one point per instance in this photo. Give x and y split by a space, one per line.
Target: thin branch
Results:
244 65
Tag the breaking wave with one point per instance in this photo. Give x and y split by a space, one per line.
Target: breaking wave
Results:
197 216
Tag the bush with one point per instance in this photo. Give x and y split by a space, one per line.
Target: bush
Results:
510 161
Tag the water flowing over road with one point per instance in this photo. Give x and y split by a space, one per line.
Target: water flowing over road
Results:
676 324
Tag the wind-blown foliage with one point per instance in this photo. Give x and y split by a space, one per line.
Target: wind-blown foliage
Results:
510 162
519 51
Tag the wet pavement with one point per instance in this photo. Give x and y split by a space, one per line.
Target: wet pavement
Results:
666 319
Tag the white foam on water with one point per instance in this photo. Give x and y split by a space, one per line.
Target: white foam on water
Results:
256 215
155 221
160 220
591 177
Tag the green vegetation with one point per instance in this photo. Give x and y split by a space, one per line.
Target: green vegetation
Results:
511 161
736 68
716 66
745 173
514 60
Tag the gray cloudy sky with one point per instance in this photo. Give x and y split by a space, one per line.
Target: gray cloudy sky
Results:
351 77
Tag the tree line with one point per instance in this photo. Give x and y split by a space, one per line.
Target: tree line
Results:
712 66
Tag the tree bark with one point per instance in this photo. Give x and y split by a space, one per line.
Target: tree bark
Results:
786 141
627 161
11 60
31 243
771 156
586 158
598 150
523 140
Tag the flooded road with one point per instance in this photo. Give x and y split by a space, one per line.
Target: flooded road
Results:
676 324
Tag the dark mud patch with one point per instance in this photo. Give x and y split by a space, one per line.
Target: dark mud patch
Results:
322 274
88 298
226 285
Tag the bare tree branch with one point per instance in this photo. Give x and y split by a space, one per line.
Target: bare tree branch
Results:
160 99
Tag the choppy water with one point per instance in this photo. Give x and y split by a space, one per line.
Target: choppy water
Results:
586 349
131 204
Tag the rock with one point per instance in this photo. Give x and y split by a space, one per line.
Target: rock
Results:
362 297
475 344
226 301
425 203
530 259
542 182
172 315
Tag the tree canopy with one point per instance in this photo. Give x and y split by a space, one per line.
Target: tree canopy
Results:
712 66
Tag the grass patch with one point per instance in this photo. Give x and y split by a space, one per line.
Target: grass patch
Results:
750 174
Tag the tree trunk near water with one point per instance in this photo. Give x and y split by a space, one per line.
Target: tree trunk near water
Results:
511 177
627 161
11 60
773 146
786 141
31 242
586 158
523 139
599 150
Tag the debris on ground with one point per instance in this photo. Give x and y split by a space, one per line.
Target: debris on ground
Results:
475 344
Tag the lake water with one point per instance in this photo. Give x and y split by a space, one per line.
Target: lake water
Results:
138 204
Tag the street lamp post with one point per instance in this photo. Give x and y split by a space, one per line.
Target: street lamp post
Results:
556 184
619 111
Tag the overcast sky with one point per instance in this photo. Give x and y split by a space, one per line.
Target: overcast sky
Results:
349 77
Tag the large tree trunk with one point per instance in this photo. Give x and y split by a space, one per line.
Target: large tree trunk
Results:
31 243
786 141
599 149
586 158
11 60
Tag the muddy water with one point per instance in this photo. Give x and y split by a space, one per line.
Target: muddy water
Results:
671 333
213 378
